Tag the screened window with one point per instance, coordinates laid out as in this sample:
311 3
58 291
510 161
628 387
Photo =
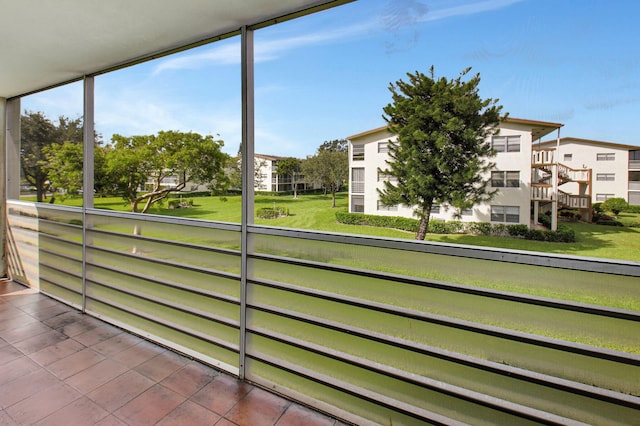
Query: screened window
606 177
568 157
604 197
357 152
382 176
606 156
506 179
506 143
383 147
382 207
357 180
357 204
508 214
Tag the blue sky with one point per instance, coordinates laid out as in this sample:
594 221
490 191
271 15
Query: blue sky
326 76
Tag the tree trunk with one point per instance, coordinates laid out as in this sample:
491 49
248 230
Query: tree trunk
423 227
333 200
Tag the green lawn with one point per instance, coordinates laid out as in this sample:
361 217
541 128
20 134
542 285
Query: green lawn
315 212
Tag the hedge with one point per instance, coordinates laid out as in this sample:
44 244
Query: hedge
563 234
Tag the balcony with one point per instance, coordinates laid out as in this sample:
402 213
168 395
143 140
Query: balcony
58 367
361 328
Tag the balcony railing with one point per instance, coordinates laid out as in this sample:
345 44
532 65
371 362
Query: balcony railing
370 330
574 201
543 156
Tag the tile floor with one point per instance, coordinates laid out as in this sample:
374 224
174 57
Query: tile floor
59 367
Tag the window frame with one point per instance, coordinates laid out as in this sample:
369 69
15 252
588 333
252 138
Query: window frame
605 177
357 152
606 156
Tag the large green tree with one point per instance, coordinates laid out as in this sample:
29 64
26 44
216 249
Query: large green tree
146 169
290 167
64 166
37 133
442 152
329 167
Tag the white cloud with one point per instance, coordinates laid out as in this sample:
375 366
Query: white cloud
467 8
268 50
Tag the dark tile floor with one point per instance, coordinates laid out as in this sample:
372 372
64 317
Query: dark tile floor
59 367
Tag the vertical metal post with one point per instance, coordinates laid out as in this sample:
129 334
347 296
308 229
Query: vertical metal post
247 152
555 176
3 186
88 142
12 160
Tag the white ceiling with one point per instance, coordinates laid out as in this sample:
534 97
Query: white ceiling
44 43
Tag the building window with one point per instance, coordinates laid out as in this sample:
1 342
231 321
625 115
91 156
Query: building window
357 180
604 197
466 212
357 152
357 204
509 179
382 207
508 214
383 147
568 157
608 177
506 143
435 209
606 156
382 176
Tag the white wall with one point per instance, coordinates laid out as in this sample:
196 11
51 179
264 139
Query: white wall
507 161
585 154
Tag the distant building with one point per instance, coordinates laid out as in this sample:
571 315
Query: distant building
615 167
527 174
268 179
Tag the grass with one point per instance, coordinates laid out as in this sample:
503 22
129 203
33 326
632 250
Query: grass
315 212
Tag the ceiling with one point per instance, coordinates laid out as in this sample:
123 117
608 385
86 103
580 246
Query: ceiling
45 43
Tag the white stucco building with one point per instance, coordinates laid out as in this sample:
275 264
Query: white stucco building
525 177
615 167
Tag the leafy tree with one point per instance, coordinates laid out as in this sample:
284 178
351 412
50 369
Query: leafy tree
164 163
38 132
329 167
441 154
291 167
64 166
615 205
336 145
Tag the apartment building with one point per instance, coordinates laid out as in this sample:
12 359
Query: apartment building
527 182
268 179
615 167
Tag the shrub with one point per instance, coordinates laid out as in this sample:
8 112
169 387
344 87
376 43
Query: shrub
615 205
438 227
545 220
632 209
518 230
272 212
396 222
480 228
174 204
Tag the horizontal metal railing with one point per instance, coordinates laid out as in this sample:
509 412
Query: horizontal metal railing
371 330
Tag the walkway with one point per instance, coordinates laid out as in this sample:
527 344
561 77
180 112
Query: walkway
59 367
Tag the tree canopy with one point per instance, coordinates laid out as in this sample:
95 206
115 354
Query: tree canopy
37 133
442 152
291 167
329 167
164 163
